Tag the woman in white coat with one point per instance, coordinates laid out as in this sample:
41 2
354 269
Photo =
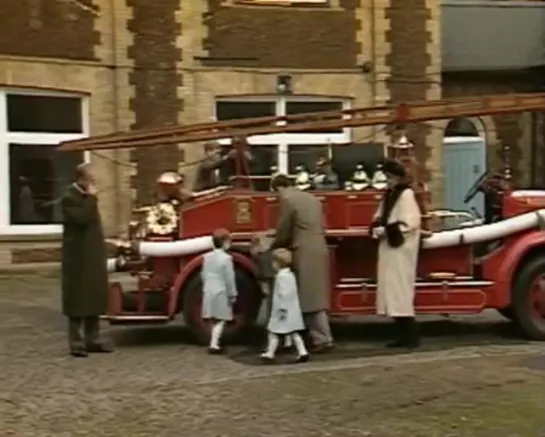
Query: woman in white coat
397 227
286 318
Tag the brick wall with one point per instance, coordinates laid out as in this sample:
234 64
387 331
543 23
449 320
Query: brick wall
510 130
49 28
282 37
90 50
156 79
408 60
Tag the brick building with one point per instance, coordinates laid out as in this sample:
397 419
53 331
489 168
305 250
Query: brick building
70 68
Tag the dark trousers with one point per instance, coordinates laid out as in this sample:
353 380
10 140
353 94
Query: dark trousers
318 327
83 332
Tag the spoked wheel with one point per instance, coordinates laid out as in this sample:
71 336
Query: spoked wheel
245 311
529 299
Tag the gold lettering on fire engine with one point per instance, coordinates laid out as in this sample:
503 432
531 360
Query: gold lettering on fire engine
244 212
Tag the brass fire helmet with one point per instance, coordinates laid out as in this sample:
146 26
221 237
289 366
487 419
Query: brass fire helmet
168 185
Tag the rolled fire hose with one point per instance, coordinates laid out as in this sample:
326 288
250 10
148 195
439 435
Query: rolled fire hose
480 233
454 237
440 239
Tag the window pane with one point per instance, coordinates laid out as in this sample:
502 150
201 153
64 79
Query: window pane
44 114
307 155
264 158
294 108
347 157
38 175
239 110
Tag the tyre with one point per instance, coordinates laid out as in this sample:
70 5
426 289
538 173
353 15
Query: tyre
528 299
245 311
507 312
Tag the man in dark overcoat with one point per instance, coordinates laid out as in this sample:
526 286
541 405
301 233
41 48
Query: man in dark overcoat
84 274
208 172
300 229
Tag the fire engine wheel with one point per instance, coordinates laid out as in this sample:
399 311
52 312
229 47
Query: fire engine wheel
529 299
507 313
245 311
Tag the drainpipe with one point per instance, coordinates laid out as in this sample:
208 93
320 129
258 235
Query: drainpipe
374 74
533 150
115 94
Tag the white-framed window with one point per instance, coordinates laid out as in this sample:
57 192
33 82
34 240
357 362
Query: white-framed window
32 173
287 150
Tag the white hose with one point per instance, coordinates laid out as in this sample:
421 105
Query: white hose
482 233
175 248
453 237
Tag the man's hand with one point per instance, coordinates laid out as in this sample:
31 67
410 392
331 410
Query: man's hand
91 189
378 232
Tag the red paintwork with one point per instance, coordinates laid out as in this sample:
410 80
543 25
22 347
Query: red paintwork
190 265
353 254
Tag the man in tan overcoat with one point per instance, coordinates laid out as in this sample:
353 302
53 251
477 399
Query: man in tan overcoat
300 229
397 227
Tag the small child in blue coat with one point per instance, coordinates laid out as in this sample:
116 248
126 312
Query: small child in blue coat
219 287
286 318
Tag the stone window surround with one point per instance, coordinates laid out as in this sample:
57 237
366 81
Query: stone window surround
6 229
283 141
296 3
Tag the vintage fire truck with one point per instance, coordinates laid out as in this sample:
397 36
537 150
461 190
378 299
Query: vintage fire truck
498 262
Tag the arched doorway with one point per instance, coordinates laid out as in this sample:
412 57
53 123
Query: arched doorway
464 160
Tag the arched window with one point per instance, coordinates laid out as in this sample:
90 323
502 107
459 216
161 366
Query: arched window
461 127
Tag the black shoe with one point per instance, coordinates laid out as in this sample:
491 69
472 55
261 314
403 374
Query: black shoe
78 353
267 360
215 351
302 359
413 343
322 348
98 348
396 344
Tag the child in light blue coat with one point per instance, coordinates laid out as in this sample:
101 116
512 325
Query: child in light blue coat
219 287
286 318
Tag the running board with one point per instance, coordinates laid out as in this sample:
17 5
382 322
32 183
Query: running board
419 285
136 319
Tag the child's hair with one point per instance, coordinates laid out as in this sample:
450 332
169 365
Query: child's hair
283 257
219 237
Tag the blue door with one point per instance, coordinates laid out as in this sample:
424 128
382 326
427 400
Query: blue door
464 160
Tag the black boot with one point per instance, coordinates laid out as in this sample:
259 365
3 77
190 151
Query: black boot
400 323
408 334
413 334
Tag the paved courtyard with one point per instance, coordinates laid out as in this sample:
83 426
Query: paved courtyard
473 378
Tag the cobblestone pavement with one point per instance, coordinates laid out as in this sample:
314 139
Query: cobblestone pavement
158 383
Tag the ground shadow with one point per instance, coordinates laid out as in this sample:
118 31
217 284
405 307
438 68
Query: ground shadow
368 340
348 335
